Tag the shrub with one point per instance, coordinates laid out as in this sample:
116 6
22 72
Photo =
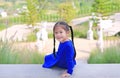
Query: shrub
110 55
67 12
106 7
2 26
81 30
31 37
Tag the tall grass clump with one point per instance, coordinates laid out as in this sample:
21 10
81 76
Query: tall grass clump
80 31
2 26
110 55
32 37
10 55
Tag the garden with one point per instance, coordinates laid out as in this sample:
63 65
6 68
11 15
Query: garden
31 12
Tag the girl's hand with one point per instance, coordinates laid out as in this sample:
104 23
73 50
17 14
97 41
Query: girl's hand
66 75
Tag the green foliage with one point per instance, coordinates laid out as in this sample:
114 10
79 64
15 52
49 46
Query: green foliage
100 6
32 14
21 19
115 38
104 7
66 11
84 8
2 26
11 20
31 37
10 55
116 6
50 35
49 17
16 20
110 55
80 31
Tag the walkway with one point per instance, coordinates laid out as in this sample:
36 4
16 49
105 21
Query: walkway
15 33
80 71
19 32
116 25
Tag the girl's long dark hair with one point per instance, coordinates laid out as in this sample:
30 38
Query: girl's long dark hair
67 28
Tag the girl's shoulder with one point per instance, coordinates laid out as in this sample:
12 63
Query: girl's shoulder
67 43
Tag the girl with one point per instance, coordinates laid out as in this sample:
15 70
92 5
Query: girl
65 56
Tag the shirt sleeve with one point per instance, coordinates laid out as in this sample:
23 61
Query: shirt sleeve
69 59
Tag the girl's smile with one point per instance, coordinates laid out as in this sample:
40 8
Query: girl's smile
60 34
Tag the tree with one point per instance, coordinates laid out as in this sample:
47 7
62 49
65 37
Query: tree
102 7
32 13
66 11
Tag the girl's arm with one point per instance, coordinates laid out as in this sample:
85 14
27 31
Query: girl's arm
69 59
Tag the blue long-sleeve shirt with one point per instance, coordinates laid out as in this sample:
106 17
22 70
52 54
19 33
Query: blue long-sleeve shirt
64 57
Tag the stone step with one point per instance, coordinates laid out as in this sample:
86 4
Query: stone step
80 71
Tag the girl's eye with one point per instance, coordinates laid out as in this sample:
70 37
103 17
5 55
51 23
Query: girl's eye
60 32
56 32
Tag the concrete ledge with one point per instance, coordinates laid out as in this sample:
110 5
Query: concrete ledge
80 71
97 71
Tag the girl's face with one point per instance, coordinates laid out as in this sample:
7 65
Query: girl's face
61 34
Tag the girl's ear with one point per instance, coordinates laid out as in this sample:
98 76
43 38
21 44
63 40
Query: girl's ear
68 32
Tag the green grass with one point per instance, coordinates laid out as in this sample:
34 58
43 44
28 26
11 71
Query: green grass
110 55
31 37
21 19
112 38
10 55
80 31
2 26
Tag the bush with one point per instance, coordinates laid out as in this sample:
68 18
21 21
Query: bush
32 37
11 20
2 26
67 12
110 55
106 7
80 31
49 17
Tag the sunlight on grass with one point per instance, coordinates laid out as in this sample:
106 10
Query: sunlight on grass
110 55
9 55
